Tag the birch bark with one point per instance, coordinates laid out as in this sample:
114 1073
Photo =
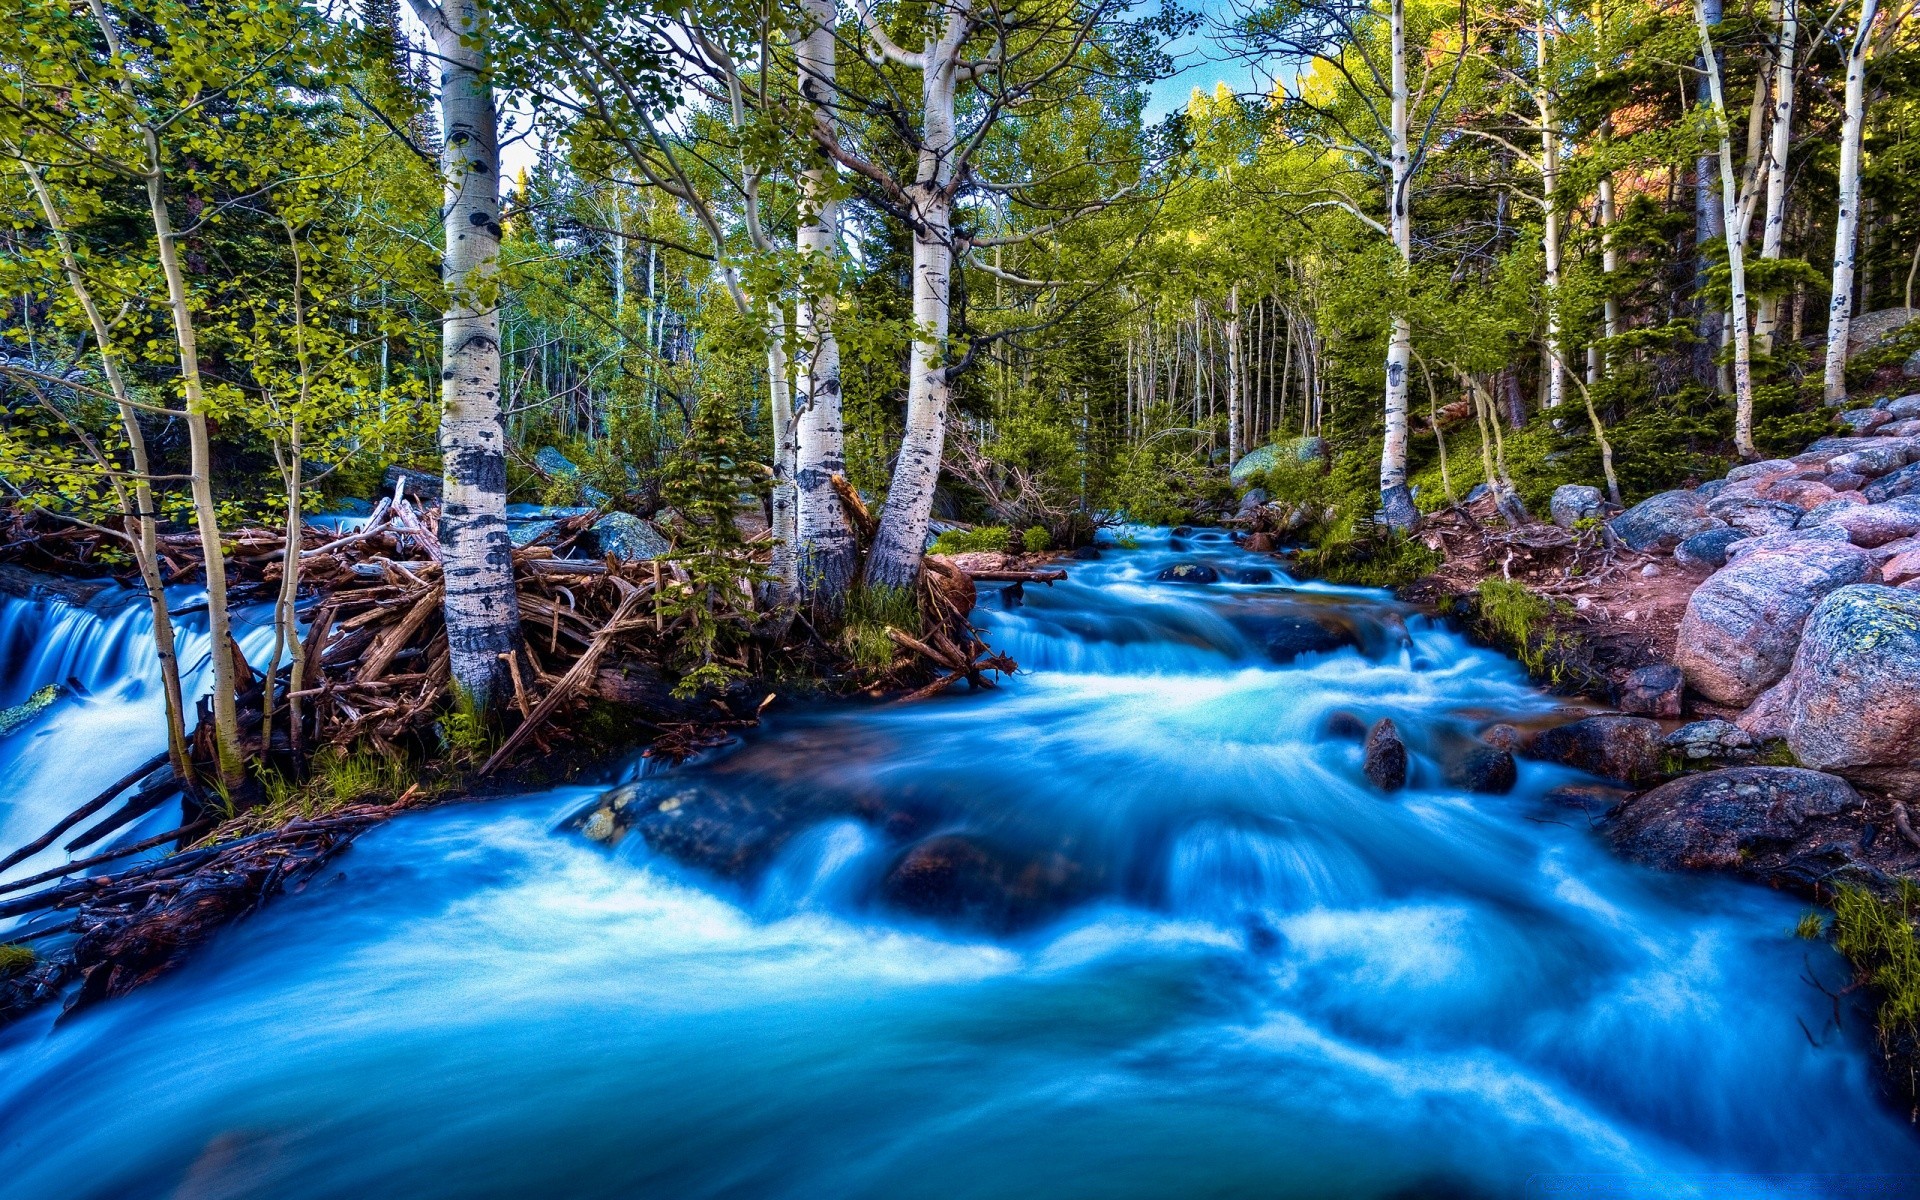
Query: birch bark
1396 501
1847 225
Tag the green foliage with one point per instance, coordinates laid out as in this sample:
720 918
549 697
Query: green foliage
1811 926
714 610
1877 936
967 541
16 959
1521 621
870 612
1377 558
1035 540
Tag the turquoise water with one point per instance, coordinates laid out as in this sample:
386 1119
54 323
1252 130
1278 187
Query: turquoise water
1258 978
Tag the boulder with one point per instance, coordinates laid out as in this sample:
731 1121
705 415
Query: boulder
1189 573
1755 515
1902 568
1623 748
1743 624
1712 740
1661 522
964 878
1386 761
1900 483
1876 457
1484 769
1851 703
1758 470
1250 504
1801 493
1652 691
1818 514
1907 428
1844 482
1875 524
1831 447
1720 819
1502 737
1905 407
1710 489
626 537
1864 420
1708 549
1575 501
1265 458
25 713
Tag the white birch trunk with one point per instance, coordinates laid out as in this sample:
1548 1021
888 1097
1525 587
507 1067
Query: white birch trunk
894 560
482 609
827 555
1736 246
1847 226
1235 398
1550 223
784 567
1396 501
1772 232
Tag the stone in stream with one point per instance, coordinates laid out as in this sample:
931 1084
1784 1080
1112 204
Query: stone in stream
1745 818
23 714
1345 726
1652 691
1708 549
1851 702
1086 553
1189 573
1574 502
1386 761
1503 737
1743 624
959 877
1712 740
1612 747
1484 769
1288 636
1660 522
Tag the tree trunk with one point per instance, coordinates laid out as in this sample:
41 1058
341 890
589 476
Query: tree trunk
1396 500
1777 147
1235 399
827 553
1708 223
784 587
482 610
1556 389
1846 227
1736 251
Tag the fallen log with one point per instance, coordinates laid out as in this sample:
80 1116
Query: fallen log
84 811
1046 577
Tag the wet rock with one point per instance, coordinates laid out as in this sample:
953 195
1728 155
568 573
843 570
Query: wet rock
1708 549
626 537
1730 819
1289 636
1663 521
1484 769
1864 420
1851 702
1086 553
1710 740
1595 799
1623 748
1189 573
25 713
1575 501
1652 691
1743 624
1182 531
1502 737
1259 543
1899 483
1757 516
1386 762
1345 726
1874 524
958 877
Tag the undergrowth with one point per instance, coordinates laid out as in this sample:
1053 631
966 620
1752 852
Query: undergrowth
1521 621
16 960
337 779
968 541
1877 937
1340 553
870 610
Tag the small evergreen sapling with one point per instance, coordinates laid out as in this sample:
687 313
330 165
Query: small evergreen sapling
704 483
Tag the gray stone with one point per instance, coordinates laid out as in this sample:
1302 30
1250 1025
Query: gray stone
1710 489
1484 769
1708 549
1875 524
1910 369
1818 514
1386 761
1900 483
1905 407
1863 420
1833 446
627 537
1652 691
1845 481
1875 457
1574 501
1743 624
1189 573
1754 470
1902 429
1756 516
1265 458
1661 522
1717 820
553 462
1789 542
1851 703
1623 748
1710 740
422 486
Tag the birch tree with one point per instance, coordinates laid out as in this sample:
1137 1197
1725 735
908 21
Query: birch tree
482 607
1734 223
1847 222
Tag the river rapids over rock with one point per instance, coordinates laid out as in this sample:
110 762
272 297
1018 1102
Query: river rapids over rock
1134 924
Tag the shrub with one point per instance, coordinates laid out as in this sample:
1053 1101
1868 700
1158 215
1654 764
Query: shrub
1877 936
870 612
967 541
1035 540
16 960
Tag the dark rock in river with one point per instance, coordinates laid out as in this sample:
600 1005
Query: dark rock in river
1345 726
1502 737
1751 818
1623 748
1484 769
1386 762
1253 575
958 877
1189 573
1652 691
1086 553
1288 637
1594 799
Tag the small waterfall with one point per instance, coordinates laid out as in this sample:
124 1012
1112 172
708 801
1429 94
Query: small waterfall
1221 870
824 868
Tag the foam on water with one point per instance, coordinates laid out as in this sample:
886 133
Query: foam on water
1274 981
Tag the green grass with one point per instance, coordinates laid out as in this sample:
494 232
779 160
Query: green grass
967 541
1877 937
1341 554
16 960
1811 926
1035 540
1520 620
870 611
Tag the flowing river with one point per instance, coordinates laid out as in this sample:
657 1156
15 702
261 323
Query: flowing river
1207 960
